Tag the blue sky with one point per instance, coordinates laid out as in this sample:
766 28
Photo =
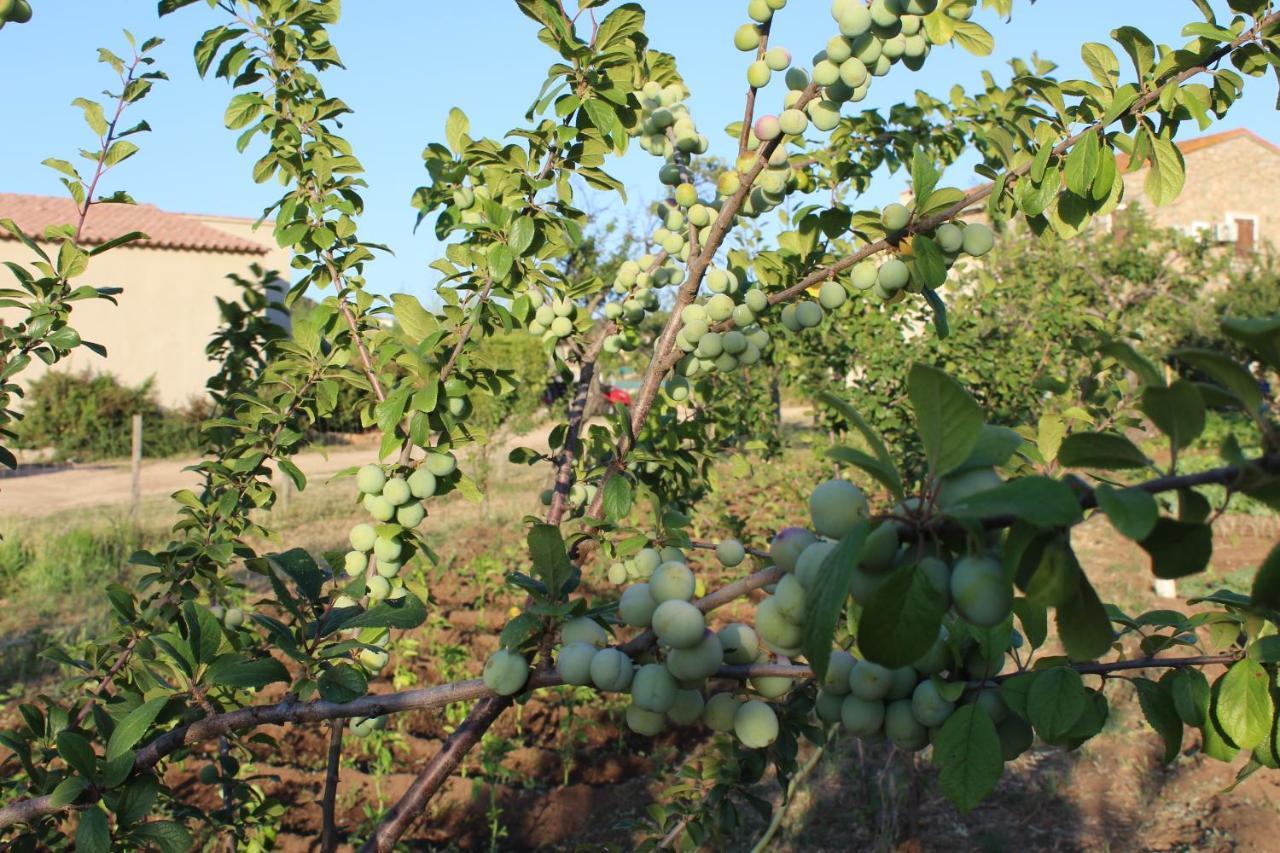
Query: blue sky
409 61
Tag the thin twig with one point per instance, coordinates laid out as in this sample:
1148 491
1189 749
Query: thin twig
328 805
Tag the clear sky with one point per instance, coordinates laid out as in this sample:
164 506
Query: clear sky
409 61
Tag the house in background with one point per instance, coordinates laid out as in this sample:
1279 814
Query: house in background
167 312
1231 195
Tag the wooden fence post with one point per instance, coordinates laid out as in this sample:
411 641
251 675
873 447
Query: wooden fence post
135 490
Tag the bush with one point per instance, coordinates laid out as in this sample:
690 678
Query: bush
86 416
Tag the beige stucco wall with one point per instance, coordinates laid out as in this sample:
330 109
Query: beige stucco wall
1235 178
165 315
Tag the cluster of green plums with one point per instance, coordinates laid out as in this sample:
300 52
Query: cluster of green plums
666 128
380 547
580 495
14 12
552 320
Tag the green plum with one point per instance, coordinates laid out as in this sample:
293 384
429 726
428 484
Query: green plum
422 483
786 546
902 728
380 508
937 659
440 464
992 704
811 560
903 681
730 553
653 688
363 537
354 563
370 479
869 681
839 666
672 581
410 515
720 710
687 708
387 549
827 706
777 632
573 663
647 559
879 549
746 37
949 237
928 705
836 507
645 722
678 624
611 670
397 491
832 295
789 596
893 275
636 606
978 239
862 717
980 591
808 314
698 661
739 643
755 724
584 629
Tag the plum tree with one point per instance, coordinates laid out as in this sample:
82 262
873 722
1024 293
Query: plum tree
752 262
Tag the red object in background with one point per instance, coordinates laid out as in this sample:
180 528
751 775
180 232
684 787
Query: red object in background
617 395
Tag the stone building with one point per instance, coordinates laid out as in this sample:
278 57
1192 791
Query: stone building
167 312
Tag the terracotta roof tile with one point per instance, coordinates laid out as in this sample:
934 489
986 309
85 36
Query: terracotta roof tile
164 230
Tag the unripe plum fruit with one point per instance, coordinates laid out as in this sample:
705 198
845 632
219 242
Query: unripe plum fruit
698 661
854 20
686 195
827 706
824 114
777 58
422 483
869 681
793 122
611 670
980 591
853 73
755 724
233 618
864 275
836 507
839 666
687 708
648 559
363 537
893 275
992 704
832 295
937 658
354 563
573 663
810 563
884 13
505 672
410 515
758 75
756 300
377 588
978 239
440 464
365 726
796 79
370 479
919 7
788 318
902 728
862 717
949 237
789 597
759 11
719 307
838 49
645 722
895 217
902 682
786 546
939 575
653 688
584 629
928 706
730 553
387 549
808 314
776 630
746 37
879 549
21 12
720 711
671 581
771 686
826 72
739 643
980 667
864 585
678 624
374 659
379 507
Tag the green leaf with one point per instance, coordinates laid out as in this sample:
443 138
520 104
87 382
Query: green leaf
342 683
416 321
974 38
1167 172
167 835
1106 450
131 729
995 446
406 612
1132 512
1266 583
901 621
93 835
940 324
887 476
1132 359
243 110
1190 691
455 129
967 751
1226 372
1082 164
1178 548
1243 706
873 439
1055 702
1041 501
1102 64
826 597
1178 411
74 749
550 558
929 262
1262 335
67 791
521 235
234 670
924 177
617 498
501 261
1083 624
1157 704
948 419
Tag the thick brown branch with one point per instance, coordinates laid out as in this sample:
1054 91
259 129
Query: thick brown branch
328 804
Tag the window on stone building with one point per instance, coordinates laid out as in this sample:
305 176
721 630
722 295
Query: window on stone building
1246 234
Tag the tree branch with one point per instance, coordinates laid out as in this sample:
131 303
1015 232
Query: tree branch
328 805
